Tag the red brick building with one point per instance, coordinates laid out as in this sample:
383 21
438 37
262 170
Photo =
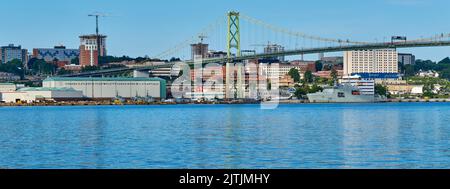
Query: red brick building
88 57
89 52
305 65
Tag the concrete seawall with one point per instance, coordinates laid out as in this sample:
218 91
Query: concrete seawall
106 103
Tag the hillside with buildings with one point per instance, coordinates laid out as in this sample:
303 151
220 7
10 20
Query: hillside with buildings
384 72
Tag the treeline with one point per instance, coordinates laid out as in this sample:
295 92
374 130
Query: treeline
112 59
442 67
309 83
40 66
15 67
35 66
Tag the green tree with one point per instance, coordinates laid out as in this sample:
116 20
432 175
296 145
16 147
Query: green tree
321 80
315 88
89 68
300 92
445 61
428 90
445 74
334 75
39 66
14 66
110 59
409 70
401 67
63 71
173 59
381 90
319 65
75 61
294 75
308 77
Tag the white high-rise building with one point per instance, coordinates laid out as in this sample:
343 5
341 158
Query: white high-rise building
371 61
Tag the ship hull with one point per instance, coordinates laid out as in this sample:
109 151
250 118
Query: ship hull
342 94
327 99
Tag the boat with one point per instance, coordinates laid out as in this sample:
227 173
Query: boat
342 94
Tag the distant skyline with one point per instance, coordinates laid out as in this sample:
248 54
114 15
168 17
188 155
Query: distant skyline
139 27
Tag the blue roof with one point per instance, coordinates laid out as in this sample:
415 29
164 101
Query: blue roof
378 75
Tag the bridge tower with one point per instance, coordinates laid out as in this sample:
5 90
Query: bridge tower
234 34
233 90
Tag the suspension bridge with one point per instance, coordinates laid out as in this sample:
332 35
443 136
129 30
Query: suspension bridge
258 32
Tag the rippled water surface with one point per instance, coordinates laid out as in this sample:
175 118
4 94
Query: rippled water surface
408 135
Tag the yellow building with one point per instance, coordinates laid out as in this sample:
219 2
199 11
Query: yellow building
397 87
286 81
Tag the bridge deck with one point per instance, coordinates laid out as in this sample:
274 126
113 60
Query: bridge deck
369 46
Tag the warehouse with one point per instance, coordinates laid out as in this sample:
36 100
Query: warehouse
33 94
107 88
7 87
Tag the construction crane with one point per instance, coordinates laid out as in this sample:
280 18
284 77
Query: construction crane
97 15
202 37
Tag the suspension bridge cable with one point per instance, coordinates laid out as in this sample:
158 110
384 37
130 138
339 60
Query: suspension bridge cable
278 30
292 33
433 38
189 41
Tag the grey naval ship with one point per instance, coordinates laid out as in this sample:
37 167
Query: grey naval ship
343 94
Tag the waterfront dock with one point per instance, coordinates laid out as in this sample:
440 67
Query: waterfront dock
112 103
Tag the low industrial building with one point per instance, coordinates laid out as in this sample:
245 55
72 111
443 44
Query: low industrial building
405 89
7 87
401 87
33 94
328 74
107 88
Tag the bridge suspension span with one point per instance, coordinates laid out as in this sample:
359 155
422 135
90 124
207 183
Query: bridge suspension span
253 27
243 32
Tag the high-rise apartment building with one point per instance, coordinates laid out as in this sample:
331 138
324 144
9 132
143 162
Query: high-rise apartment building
199 50
11 52
406 59
89 52
371 61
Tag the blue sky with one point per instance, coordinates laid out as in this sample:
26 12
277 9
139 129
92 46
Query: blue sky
143 27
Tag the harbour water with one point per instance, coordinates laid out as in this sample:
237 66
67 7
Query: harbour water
387 135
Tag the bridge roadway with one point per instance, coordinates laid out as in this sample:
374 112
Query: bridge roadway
368 46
